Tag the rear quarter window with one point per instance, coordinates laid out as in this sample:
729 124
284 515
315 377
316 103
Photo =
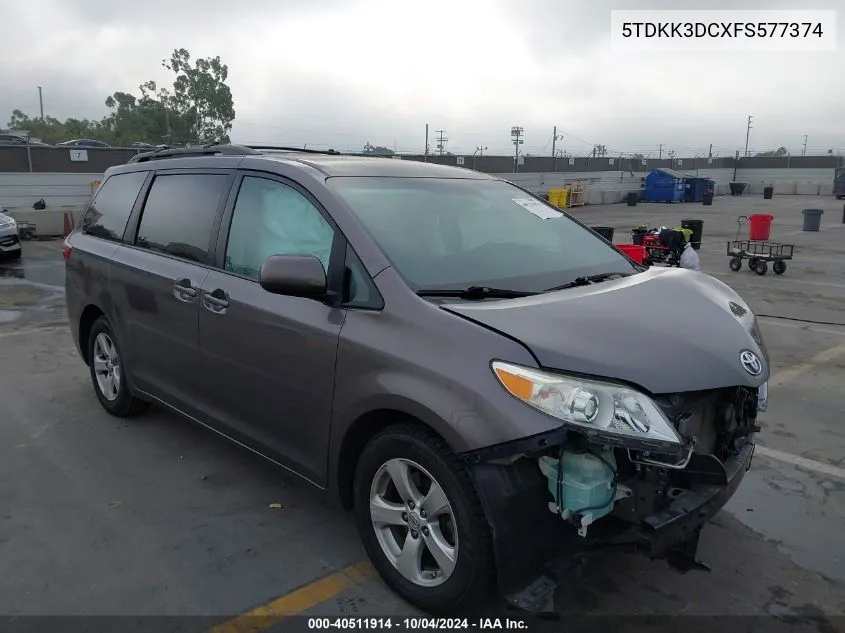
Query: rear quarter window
112 205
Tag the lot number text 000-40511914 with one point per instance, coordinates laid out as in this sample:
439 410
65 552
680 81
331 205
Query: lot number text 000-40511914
732 30
417 624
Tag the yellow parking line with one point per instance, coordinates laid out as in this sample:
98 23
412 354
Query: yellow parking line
297 601
821 358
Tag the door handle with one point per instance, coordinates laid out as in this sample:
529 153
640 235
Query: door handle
184 291
216 301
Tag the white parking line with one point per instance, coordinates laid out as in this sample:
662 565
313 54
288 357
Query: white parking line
793 372
802 462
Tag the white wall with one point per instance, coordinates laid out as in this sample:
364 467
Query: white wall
61 190
57 190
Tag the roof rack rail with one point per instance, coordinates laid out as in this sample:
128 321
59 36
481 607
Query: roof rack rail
210 149
293 149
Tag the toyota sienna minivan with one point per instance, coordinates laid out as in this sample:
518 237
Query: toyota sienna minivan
489 386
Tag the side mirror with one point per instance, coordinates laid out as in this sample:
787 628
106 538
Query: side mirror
294 275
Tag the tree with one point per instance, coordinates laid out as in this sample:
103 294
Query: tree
198 108
780 151
51 130
200 94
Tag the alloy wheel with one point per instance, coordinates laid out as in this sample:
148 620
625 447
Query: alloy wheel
414 522
107 367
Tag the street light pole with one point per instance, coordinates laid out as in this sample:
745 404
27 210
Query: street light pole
41 103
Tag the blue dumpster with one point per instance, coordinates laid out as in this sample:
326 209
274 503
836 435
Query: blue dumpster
665 185
696 187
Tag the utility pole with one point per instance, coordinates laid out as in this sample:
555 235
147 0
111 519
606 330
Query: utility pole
660 153
41 104
747 134
710 153
555 138
425 151
516 132
441 140
480 151
804 151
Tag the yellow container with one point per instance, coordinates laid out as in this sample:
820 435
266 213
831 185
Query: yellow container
554 197
564 198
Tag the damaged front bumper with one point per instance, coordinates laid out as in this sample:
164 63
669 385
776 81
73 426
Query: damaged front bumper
532 544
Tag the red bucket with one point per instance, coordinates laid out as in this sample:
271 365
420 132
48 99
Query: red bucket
760 226
634 251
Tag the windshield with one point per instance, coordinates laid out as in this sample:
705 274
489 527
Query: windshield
454 233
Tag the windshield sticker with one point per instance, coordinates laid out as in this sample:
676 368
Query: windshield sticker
538 208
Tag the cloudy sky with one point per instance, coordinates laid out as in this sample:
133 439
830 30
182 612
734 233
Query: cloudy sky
340 73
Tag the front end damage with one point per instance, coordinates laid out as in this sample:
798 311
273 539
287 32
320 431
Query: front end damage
554 498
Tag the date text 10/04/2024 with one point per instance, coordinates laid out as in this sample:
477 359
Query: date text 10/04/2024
417 624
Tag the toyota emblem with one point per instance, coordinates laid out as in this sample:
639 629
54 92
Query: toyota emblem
751 362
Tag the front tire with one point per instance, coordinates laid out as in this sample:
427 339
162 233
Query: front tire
108 374
421 521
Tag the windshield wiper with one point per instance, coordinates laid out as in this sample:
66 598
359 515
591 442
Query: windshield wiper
586 281
477 292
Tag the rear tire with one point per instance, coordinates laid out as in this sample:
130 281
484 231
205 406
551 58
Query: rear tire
761 268
108 373
459 529
779 267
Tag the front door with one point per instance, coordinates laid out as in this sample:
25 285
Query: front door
268 360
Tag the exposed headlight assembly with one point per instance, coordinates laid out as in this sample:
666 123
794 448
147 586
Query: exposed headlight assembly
602 411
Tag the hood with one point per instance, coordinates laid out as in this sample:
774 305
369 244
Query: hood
666 330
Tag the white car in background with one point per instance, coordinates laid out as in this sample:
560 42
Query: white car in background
10 239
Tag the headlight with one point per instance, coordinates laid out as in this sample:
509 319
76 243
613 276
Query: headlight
612 413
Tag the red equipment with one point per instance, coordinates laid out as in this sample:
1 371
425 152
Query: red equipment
634 251
760 226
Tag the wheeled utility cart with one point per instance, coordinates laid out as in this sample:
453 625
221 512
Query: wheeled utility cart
758 253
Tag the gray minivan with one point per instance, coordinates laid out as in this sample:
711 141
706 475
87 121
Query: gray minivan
487 384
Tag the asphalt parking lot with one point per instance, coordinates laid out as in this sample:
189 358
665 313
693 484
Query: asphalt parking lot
155 516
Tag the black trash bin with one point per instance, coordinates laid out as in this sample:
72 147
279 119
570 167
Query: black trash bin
768 192
707 198
632 198
737 188
697 228
605 231
637 236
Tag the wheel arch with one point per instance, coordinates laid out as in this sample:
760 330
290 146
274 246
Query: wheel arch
358 434
87 319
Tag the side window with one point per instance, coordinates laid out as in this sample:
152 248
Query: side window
112 205
271 218
179 213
